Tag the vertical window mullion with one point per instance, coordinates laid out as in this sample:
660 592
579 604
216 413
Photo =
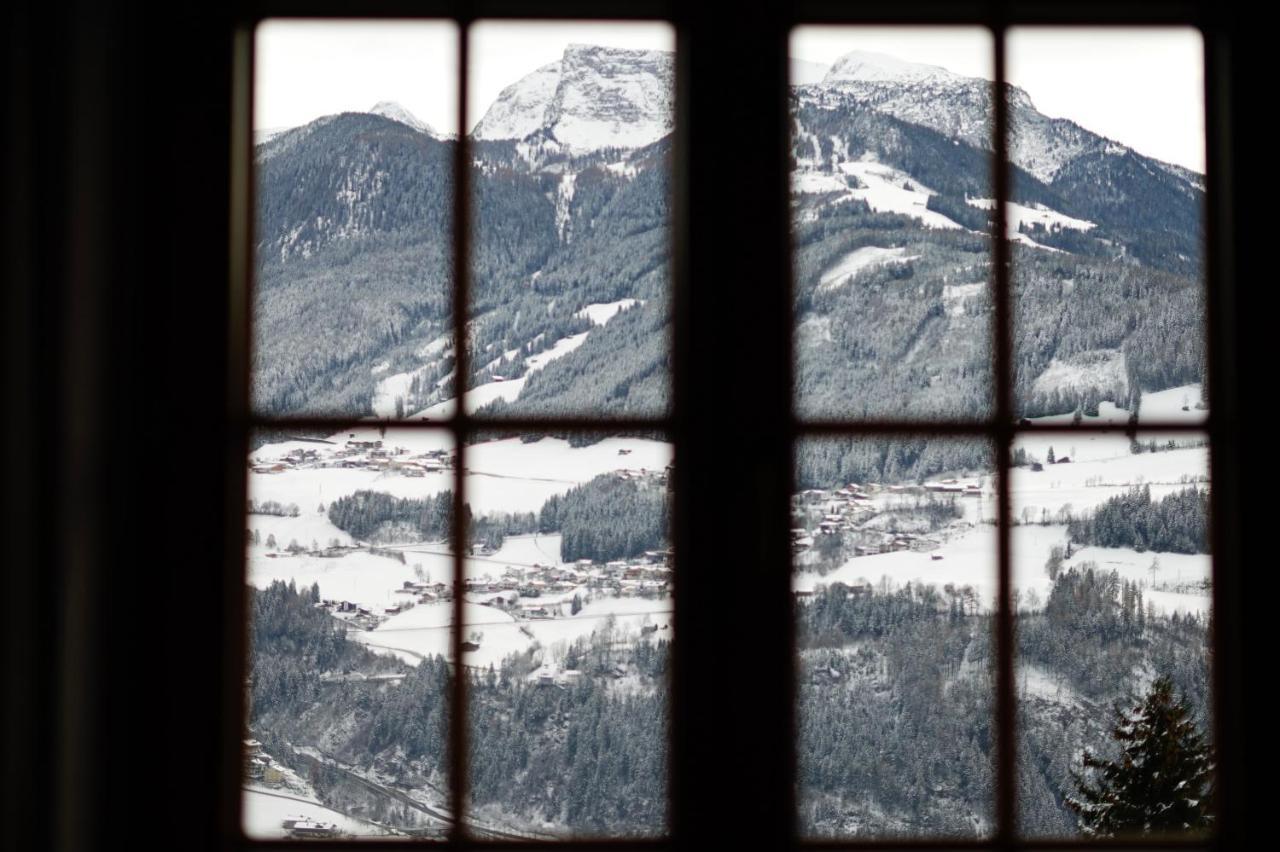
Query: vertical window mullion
461 299
1002 433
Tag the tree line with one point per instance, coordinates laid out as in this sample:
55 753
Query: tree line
1177 523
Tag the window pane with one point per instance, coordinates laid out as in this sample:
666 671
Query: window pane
1107 218
355 124
895 583
890 194
350 610
1112 576
570 298
569 629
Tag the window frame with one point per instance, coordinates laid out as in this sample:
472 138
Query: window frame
697 419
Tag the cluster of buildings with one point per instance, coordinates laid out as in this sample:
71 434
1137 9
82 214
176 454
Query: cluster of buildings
544 591
532 592
847 509
359 455
260 766
643 475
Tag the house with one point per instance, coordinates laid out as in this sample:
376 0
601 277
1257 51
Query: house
310 828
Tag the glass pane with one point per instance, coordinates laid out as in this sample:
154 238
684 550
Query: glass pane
1112 575
351 583
568 624
890 195
1107 221
570 298
355 124
895 578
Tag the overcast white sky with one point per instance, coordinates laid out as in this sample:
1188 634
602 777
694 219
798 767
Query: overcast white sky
1141 87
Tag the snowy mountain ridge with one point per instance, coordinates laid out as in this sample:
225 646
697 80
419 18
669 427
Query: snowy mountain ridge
592 98
396 112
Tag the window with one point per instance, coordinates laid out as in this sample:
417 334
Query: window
975 425
160 244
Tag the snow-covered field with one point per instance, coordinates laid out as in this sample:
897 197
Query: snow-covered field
884 188
1017 214
858 260
889 190
266 810
1155 407
425 629
970 560
502 476
1101 467
360 577
601 312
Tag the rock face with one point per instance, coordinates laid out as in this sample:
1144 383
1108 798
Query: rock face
592 98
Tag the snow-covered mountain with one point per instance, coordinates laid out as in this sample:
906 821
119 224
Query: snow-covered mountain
591 98
961 107
396 112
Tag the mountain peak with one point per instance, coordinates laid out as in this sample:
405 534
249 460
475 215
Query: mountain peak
593 97
396 112
867 66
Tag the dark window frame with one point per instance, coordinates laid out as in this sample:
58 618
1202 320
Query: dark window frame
708 771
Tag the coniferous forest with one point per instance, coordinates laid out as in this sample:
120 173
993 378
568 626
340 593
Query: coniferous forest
1177 523
896 696
589 756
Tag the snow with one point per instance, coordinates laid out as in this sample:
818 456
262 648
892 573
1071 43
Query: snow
882 188
1166 406
564 198
970 560
506 475
869 66
967 559
559 349
435 346
601 312
396 112
359 577
1098 368
884 192
1101 467
1038 214
954 296
508 389
264 811
425 629
591 98
1162 406
519 108
815 183
860 259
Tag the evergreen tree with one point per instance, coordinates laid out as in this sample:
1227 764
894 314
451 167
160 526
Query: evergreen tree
1160 783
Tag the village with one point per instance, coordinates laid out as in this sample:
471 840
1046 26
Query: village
532 592
849 511
357 455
